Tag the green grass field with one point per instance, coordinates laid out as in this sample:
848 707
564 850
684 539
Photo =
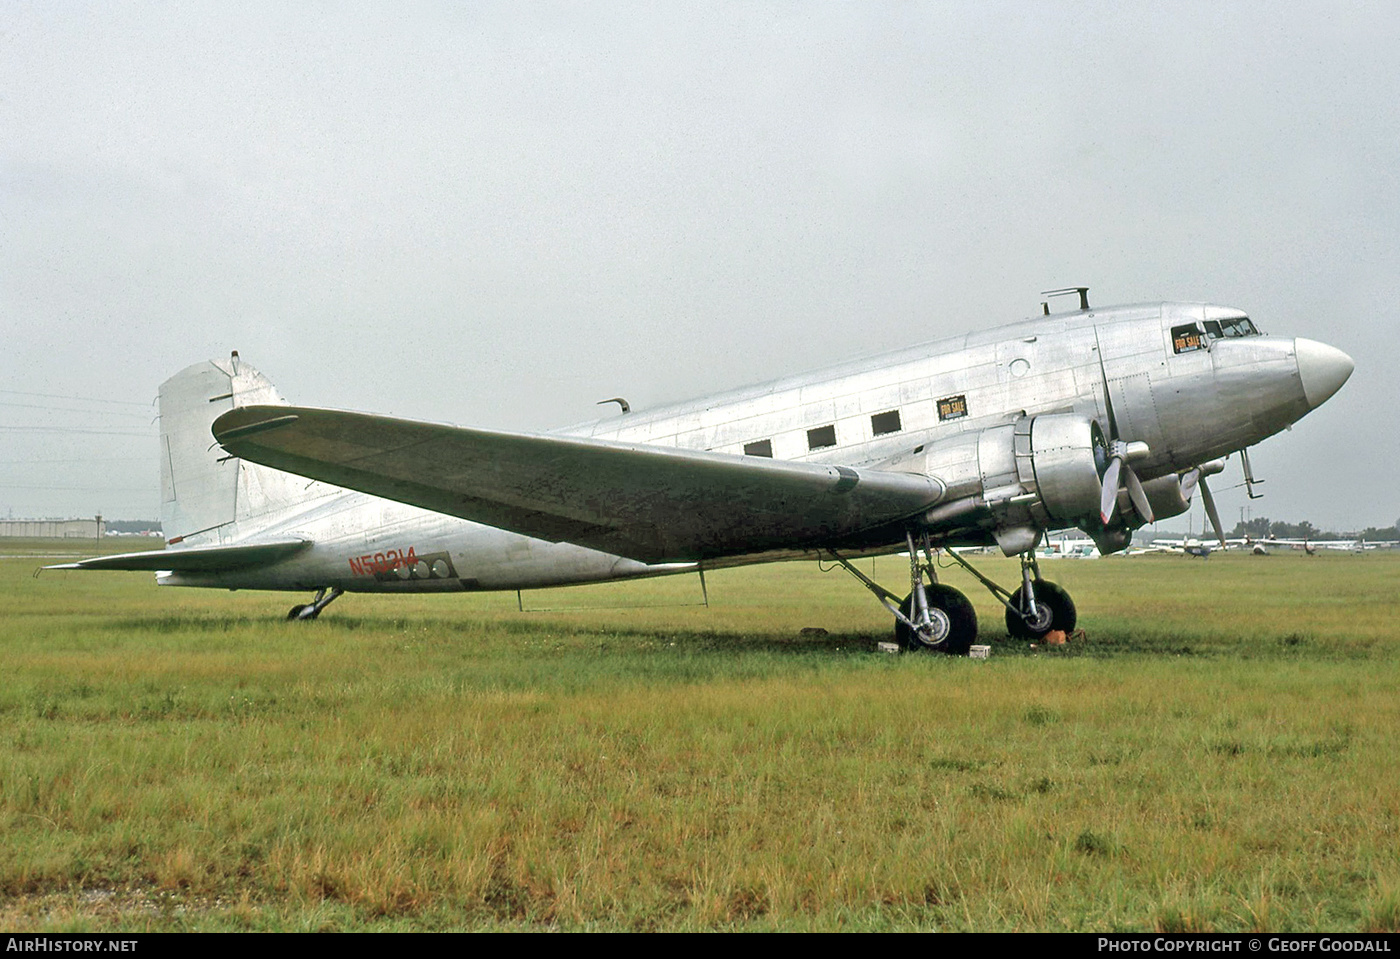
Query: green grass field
1219 754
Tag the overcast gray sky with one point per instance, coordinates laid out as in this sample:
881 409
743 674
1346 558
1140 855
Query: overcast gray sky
497 214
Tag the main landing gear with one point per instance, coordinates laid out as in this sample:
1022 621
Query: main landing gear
937 617
933 616
324 597
1035 609
1050 608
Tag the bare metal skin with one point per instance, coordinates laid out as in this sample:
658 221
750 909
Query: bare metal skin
1097 419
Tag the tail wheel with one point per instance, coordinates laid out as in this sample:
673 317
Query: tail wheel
954 622
1054 610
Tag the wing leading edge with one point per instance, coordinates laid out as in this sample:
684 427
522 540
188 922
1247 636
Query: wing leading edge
654 504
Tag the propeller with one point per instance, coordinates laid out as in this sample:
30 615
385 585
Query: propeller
1119 455
1197 477
1209 502
1118 472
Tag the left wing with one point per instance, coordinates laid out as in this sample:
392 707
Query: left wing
650 503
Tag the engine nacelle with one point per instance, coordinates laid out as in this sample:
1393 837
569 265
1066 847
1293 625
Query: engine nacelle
1038 473
1068 454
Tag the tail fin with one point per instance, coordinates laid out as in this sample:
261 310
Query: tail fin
205 493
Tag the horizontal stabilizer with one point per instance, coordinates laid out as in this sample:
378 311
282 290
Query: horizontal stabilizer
194 559
650 503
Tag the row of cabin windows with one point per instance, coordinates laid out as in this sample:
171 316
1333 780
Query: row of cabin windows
824 437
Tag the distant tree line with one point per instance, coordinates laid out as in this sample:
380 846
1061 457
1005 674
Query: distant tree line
1261 527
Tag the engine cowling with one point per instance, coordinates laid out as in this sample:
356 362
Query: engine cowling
1037 473
1068 455
1044 470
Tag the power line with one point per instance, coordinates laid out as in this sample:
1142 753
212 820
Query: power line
71 409
85 489
90 459
85 399
71 429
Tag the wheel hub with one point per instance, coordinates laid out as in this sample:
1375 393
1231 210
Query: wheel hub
937 628
1039 618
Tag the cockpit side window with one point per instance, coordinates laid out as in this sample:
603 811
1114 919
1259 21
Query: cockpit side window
1187 338
1213 329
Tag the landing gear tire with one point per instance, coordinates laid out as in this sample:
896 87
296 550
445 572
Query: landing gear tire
1054 610
954 619
324 597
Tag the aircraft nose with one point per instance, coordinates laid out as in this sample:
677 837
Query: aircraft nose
1323 368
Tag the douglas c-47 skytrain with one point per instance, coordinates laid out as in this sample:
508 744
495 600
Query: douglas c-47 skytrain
1095 419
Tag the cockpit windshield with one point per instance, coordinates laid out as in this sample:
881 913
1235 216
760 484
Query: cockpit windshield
1239 326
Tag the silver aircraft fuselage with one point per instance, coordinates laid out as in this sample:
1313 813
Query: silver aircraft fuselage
1191 381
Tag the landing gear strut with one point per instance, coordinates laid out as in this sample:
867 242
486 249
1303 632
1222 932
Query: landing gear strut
952 622
938 617
324 597
932 616
1035 609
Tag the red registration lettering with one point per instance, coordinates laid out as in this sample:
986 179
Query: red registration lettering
369 564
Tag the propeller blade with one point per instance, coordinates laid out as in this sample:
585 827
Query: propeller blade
1209 502
1189 480
1108 502
1137 494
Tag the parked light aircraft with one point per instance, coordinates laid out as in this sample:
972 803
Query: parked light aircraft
1190 546
1261 547
1095 419
1067 548
1311 546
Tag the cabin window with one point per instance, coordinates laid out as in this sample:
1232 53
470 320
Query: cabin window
821 437
882 424
759 448
1187 339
